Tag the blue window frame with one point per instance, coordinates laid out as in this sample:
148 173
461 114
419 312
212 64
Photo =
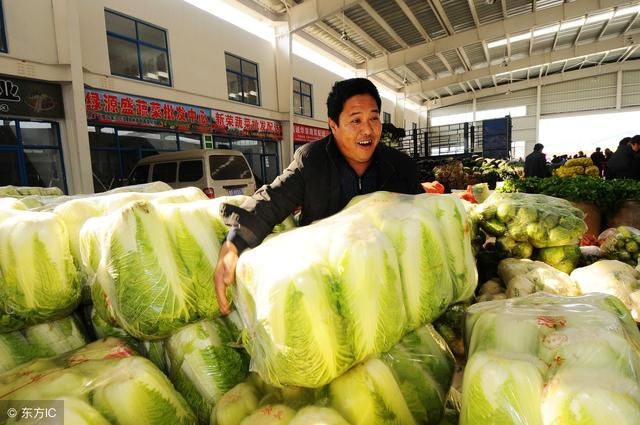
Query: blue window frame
31 154
243 84
137 50
3 31
302 98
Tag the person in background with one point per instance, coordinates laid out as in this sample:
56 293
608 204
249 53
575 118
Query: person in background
535 165
624 162
323 177
598 159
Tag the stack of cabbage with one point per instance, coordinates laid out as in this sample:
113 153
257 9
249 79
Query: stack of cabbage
39 281
319 299
546 359
577 167
407 385
101 383
523 277
532 225
621 243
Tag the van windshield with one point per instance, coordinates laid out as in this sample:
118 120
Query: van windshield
229 167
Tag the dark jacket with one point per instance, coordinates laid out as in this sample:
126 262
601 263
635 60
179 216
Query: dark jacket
535 165
312 181
622 164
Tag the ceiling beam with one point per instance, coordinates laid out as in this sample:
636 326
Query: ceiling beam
474 12
366 37
311 11
604 28
478 83
427 68
536 60
385 26
512 25
326 28
631 22
525 84
445 62
407 11
441 15
503 3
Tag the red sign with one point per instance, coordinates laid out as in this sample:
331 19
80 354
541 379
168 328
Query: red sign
114 108
305 133
231 124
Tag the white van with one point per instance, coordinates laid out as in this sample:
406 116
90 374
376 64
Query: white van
218 172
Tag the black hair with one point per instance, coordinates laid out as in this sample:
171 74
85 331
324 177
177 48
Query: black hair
538 147
345 89
625 141
635 139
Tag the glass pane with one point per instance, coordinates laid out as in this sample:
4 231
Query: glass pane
249 69
270 148
152 35
306 106
155 65
101 137
38 133
123 57
129 158
234 86
297 104
106 169
189 141
251 94
8 132
296 86
44 168
139 174
270 168
10 174
190 171
228 167
120 25
155 142
306 88
233 63
165 172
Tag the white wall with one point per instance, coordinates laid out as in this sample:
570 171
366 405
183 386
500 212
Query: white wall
30 30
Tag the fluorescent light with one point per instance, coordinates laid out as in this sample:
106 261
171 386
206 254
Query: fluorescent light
497 43
627 11
520 37
546 30
232 15
599 18
572 24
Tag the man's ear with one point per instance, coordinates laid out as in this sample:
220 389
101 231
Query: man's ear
333 125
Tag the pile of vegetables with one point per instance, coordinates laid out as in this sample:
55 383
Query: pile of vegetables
621 243
410 255
523 277
577 167
458 174
545 359
407 385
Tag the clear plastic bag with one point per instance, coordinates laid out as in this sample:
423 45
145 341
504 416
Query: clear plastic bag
621 243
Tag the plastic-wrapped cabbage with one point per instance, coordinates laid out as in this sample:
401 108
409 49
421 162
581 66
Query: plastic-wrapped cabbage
547 359
351 285
611 277
14 350
314 415
119 386
39 281
151 266
524 277
57 337
564 258
203 365
30 190
621 243
542 221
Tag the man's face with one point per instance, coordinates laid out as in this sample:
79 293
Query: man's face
358 131
635 147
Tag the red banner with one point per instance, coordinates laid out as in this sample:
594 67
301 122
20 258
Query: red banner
227 123
305 133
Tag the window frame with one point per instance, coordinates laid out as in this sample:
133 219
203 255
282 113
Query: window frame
302 96
139 43
242 76
386 118
3 32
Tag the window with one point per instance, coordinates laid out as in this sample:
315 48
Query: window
137 50
302 104
190 171
140 174
517 149
242 80
165 172
386 118
3 35
228 167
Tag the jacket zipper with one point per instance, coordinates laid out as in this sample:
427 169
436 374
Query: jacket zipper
359 184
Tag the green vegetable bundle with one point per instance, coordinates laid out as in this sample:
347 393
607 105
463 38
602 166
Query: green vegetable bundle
523 277
546 359
521 222
564 258
407 385
621 243
338 291
101 383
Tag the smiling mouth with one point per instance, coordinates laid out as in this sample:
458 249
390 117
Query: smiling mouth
364 142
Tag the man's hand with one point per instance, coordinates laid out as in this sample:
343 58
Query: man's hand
225 274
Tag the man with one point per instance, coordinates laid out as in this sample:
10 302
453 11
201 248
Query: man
322 178
624 162
598 159
535 164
